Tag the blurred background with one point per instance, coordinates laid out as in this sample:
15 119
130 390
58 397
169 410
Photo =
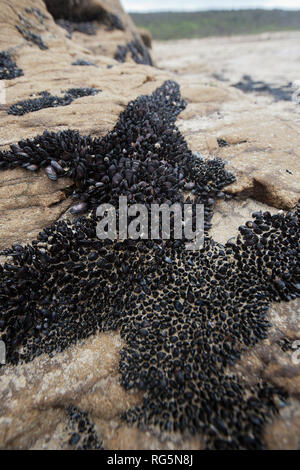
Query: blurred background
174 19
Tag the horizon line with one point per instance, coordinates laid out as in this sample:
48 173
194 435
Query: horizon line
214 9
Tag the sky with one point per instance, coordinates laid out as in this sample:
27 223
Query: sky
196 5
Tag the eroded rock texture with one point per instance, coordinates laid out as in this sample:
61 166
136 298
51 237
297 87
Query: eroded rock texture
135 344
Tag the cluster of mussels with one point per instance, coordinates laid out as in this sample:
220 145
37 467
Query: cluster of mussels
137 50
37 13
25 26
185 316
46 100
32 37
83 435
248 85
83 62
8 68
72 27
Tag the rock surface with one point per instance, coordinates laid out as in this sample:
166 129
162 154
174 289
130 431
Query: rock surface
261 137
52 70
262 142
260 134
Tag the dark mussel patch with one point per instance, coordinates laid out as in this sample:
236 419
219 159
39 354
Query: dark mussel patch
138 52
83 62
8 68
248 85
73 27
82 435
186 317
46 100
32 37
